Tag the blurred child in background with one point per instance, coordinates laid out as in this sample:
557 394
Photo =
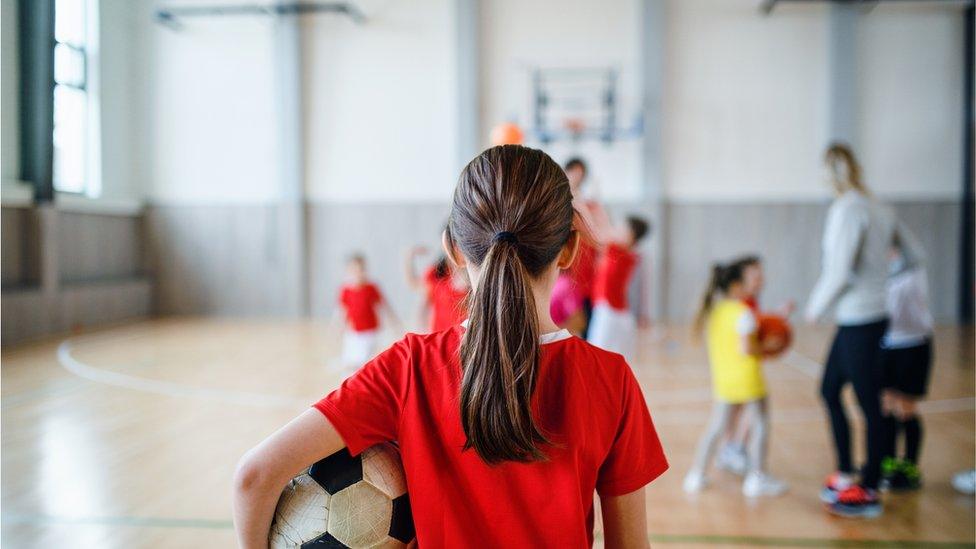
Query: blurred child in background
906 359
735 354
732 456
445 290
567 307
362 303
587 208
614 326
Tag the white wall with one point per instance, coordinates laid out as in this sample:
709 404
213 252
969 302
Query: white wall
745 102
119 87
210 120
744 105
381 102
517 36
379 107
910 100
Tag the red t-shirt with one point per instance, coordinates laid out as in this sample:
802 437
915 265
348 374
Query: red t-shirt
586 400
613 272
446 301
360 304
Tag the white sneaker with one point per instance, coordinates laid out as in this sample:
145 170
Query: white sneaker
733 459
695 482
965 482
761 484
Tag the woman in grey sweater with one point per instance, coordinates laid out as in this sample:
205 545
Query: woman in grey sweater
857 240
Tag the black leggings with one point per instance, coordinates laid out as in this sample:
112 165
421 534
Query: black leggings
855 358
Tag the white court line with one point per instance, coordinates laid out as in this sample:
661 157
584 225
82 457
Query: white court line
805 415
806 365
169 388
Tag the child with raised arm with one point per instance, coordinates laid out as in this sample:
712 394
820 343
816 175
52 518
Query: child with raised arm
445 290
614 325
506 424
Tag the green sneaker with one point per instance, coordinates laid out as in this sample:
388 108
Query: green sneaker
899 475
910 478
890 466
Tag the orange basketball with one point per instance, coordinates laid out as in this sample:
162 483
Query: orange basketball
774 330
507 133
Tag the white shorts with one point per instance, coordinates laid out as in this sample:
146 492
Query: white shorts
613 330
358 348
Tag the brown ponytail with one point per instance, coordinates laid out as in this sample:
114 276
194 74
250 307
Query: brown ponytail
723 276
512 214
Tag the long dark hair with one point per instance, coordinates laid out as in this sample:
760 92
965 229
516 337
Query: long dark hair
723 277
512 214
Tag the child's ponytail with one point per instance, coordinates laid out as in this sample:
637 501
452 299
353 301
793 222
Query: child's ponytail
723 277
511 216
501 358
718 272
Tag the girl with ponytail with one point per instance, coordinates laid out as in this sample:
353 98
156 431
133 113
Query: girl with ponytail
738 384
506 424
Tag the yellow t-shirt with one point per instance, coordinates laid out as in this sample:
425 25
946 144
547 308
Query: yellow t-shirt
736 376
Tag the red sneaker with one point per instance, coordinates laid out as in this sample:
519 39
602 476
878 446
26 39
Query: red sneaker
857 502
836 483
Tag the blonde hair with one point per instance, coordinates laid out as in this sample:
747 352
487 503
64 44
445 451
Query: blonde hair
844 168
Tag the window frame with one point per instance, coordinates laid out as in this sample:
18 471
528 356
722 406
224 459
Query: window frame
91 172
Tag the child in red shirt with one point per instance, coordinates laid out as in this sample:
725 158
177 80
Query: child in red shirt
361 302
506 425
614 325
445 291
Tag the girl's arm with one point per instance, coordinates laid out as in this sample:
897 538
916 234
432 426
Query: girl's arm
625 521
748 328
265 470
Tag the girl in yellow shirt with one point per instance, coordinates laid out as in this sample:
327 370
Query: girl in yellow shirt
738 384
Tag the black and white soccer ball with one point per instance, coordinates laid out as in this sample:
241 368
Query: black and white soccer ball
345 501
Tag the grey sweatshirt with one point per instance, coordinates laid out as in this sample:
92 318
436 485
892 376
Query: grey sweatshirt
857 239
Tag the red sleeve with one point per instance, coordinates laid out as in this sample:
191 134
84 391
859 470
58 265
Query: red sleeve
365 409
636 456
343 295
377 296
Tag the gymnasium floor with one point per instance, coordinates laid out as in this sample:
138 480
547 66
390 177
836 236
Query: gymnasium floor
128 437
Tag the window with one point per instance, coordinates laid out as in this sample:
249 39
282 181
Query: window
75 124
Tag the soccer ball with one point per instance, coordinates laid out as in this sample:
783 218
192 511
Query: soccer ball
345 501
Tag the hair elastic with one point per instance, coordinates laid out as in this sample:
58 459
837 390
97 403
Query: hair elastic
505 236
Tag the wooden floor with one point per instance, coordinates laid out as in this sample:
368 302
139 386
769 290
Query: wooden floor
128 436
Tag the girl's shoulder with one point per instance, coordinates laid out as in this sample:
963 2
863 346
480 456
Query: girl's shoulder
585 360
